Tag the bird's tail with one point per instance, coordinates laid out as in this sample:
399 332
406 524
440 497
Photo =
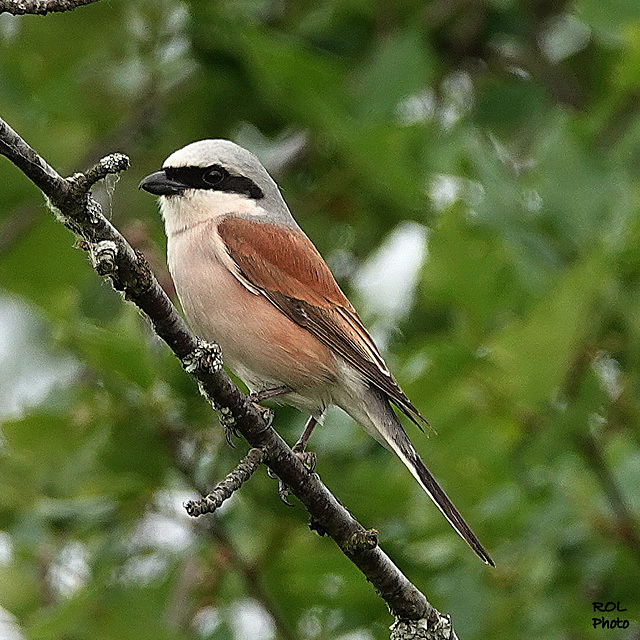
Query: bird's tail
379 419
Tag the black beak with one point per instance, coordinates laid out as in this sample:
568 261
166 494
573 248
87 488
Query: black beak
158 184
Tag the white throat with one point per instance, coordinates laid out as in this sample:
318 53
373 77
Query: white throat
195 206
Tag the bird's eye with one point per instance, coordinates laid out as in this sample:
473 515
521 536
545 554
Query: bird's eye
213 176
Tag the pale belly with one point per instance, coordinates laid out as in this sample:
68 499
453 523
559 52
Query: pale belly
259 343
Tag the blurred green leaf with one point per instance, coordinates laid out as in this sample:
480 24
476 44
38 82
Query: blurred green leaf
398 69
535 354
25 267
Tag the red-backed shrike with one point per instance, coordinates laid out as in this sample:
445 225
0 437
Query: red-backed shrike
249 279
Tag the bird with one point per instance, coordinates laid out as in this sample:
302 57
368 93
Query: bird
249 279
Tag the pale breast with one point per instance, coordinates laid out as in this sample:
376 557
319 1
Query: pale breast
261 345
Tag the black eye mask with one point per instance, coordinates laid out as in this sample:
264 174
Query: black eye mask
214 178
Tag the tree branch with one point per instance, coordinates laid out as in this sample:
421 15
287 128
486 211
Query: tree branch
40 7
128 271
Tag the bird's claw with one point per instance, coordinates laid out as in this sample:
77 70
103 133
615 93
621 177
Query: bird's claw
230 432
308 458
267 415
228 421
283 492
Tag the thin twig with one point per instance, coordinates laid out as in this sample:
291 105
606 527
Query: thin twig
129 273
225 489
40 7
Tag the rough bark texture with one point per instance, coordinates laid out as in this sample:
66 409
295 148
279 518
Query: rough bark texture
40 7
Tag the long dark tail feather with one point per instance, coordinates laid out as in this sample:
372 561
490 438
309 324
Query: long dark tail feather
437 494
372 410
399 442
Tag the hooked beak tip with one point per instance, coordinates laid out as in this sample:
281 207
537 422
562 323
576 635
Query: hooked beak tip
160 185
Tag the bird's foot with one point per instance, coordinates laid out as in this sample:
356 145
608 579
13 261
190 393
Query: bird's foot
229 423
308 458
267 416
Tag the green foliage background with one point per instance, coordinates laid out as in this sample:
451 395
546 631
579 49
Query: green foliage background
506 136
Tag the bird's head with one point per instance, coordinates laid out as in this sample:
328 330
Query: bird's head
212 178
